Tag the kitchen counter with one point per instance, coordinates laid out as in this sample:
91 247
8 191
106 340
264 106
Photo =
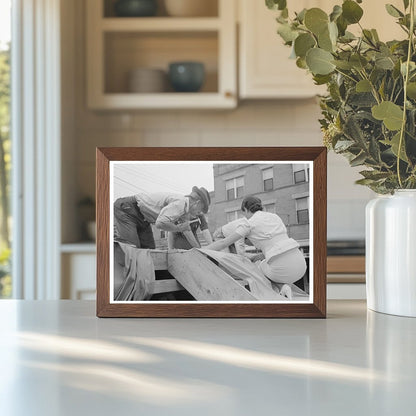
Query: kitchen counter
57 358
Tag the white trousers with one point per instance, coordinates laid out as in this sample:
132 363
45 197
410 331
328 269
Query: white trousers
287 267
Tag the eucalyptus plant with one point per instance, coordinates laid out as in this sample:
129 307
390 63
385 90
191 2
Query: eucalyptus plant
369 111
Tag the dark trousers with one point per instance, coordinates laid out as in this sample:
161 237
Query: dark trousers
130 224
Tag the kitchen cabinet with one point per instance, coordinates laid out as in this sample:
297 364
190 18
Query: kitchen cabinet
265 70
118 45
78 263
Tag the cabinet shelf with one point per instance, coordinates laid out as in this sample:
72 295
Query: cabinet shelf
160 24
198 100
116 46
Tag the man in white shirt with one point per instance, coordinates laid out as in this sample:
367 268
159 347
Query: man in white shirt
134 215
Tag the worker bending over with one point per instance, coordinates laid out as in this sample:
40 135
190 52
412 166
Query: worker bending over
134 215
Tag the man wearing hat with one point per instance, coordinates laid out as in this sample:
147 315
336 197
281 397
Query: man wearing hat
169 212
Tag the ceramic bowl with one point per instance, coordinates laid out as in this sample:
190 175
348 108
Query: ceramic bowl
135 8
186 76
147 80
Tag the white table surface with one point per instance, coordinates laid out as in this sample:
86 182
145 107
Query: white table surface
57 358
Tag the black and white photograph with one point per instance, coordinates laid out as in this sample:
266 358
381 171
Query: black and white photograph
191 231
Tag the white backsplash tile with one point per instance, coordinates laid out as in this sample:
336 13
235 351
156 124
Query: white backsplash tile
258 123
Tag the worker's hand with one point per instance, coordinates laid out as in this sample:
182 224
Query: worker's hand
256 257
184 226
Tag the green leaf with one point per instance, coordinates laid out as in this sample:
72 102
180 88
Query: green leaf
391 114
321 79
384 62
344 65
374 150
411 90
354 132
276 4
412 67
351 11
406 4
368 36
316 20
358 160
347 37
374 175
319 61
287 33
336 12
375 35
358 61
393 11
325 42
301 63
333 32
303 43
365 182
342 25
363 86
343 145
394 143
301 15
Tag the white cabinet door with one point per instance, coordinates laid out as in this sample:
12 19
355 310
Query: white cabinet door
265 68
78 275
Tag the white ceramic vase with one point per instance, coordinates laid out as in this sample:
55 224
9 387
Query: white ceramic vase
391 253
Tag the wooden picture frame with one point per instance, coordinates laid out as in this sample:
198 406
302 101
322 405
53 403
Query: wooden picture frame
110 160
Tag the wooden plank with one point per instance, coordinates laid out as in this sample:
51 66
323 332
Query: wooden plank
203 279
160 259
346 264
166 285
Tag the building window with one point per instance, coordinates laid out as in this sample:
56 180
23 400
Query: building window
267 179
270 208
235 188
163 234
300 176
233 215
302 210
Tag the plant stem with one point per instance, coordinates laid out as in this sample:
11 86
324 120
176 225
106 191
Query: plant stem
406 79
346 75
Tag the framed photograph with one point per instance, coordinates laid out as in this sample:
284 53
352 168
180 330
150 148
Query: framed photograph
211 232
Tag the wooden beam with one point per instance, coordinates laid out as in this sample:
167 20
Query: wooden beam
203 279
160 259
166 285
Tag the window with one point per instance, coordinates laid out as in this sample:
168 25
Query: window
163 234
235 188
270 208
5 147
267 179
302 210
233 215
300 176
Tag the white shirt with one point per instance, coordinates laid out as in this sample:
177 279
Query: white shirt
162 206
267 232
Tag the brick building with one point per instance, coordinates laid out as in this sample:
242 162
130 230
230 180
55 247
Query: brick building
283 189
